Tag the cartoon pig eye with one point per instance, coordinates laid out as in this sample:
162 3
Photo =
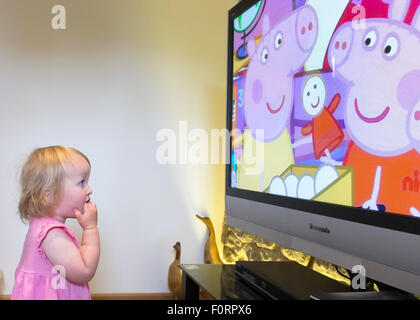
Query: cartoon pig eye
278 40
264 55
391 47
370 39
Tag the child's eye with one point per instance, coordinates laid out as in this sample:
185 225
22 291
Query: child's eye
82 182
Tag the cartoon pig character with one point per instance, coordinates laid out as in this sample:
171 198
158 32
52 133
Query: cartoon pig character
282 51
268 98
382 69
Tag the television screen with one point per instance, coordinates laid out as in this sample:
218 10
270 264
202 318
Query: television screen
325 102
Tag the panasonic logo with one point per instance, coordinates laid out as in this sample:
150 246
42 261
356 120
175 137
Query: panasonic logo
320 229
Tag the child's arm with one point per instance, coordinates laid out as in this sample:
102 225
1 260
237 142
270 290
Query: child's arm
79 264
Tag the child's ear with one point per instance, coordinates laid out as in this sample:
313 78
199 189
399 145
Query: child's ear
48 197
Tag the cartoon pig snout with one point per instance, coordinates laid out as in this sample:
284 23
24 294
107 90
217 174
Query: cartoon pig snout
306 28
340 46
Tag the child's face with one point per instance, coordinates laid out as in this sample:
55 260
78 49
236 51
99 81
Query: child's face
76 191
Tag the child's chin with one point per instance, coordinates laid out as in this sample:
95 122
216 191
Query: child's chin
73 215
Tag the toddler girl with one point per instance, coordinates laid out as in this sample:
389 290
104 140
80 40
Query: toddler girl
54 182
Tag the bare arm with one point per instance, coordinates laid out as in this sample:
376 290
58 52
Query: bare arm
90 249
79 263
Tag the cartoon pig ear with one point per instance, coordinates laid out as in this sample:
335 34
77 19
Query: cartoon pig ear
414 126
416 20
397 9
266 25
250 47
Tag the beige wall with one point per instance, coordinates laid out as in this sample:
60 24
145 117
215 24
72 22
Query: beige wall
121 71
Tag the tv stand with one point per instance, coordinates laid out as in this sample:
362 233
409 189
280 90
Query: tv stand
222 282
281 280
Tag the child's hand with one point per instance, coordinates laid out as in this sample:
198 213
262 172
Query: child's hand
89 218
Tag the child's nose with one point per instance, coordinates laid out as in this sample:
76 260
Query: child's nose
89 190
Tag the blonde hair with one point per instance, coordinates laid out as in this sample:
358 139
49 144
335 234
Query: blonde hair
44 169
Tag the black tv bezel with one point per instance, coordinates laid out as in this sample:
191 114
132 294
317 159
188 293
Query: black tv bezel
388 220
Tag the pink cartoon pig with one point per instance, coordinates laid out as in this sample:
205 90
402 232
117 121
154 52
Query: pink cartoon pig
269 95
382 115
282 51
269 92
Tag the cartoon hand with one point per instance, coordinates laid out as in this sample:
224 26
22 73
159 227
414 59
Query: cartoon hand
89 218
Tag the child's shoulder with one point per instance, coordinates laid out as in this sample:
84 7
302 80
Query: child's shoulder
40 227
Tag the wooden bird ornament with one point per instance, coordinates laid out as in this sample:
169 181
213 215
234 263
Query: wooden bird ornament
174 274
211 253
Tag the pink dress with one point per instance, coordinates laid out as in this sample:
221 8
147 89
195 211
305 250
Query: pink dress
35 276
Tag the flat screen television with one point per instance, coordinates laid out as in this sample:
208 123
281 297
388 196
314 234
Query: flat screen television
323 107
